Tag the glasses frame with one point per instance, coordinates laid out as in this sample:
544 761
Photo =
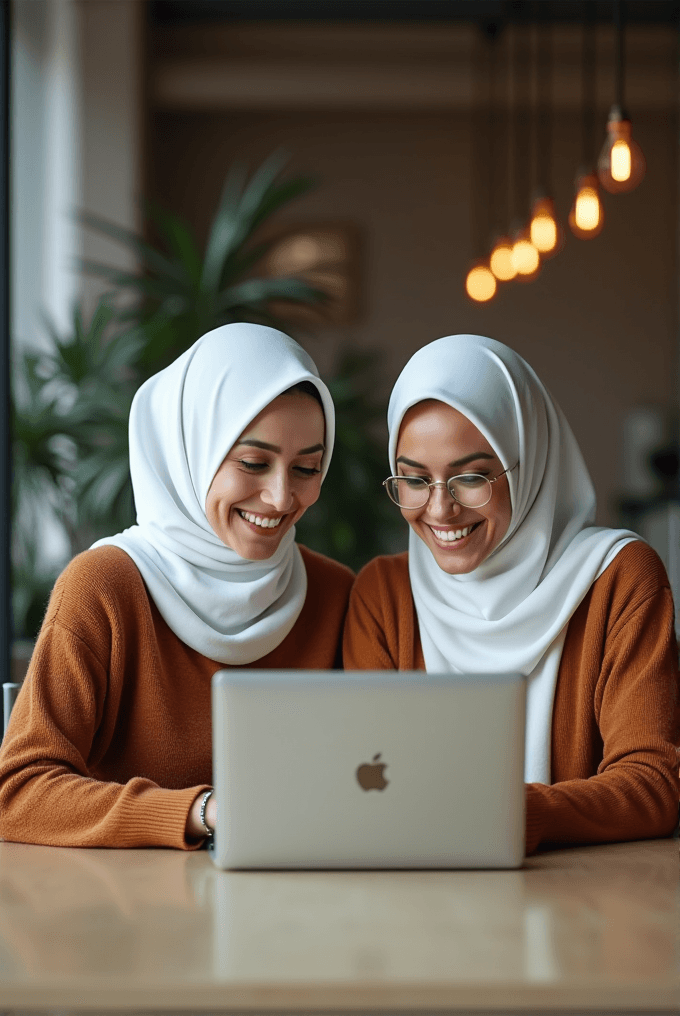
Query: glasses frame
444 483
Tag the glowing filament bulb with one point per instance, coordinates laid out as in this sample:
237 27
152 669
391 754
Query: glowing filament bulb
501 261
544 230
543 233
587 210
620 161
621 165
480 284
586 217
525 258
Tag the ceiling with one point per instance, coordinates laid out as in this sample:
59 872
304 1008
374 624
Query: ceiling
169 12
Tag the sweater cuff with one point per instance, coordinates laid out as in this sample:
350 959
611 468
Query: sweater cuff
157 818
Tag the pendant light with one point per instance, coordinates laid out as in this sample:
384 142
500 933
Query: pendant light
500 259
621 166
480 281
586 217
525 258
545 231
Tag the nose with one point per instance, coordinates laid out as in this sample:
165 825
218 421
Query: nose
277 491
442 505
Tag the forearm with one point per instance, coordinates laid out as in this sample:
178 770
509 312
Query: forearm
630 801
47 804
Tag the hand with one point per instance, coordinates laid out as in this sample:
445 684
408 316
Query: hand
194 830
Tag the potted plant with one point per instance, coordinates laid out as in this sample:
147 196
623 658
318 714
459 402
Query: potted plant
71 404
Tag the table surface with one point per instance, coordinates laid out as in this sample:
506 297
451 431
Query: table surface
586 928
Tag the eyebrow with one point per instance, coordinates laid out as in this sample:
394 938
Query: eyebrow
452 465
275 448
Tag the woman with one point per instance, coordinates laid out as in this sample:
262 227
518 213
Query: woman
505 572
109 743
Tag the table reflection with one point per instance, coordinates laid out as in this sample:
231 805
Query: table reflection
108 912
607 915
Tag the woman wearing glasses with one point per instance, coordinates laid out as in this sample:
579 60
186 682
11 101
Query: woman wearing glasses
109 743
506 572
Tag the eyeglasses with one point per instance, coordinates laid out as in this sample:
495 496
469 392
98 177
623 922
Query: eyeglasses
470 489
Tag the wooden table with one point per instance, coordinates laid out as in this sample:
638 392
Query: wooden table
595 928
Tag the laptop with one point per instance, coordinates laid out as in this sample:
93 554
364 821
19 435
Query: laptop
363 769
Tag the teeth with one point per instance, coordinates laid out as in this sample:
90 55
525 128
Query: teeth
260 520
450 535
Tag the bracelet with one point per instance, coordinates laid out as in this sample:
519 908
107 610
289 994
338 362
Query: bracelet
201 814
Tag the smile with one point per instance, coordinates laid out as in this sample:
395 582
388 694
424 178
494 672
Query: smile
260 520
449 536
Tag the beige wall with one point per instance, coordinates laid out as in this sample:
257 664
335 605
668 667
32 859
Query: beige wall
598 325
111 75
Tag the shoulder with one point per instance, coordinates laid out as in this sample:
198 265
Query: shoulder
96 582
384 584
632 591
381 629
636 574
388 570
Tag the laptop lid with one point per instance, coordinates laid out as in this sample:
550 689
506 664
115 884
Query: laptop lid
352 769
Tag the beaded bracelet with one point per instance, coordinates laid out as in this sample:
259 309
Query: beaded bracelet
201 814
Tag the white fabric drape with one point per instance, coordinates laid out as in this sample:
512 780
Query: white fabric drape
183 422
510 614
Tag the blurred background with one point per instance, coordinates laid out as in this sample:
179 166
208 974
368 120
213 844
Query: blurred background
339 168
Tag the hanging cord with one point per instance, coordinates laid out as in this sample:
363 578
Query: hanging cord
494 146
620 69
480 169
484 144
511 133
522 116
543 78
533 110
588 89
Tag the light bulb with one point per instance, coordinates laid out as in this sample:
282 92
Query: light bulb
586 217
587 209
544 231
621 165
620 161
500 260
525 258
480 283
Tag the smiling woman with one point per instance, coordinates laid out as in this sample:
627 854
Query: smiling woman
109 743
263 487
507 573
461 517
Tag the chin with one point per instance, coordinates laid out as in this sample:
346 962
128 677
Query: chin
256 552
454 567
454 563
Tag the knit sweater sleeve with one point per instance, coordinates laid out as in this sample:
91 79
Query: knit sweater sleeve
634 696
64 720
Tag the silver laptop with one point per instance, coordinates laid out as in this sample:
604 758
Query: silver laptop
362 769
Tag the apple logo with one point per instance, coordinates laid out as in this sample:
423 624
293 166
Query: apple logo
370 774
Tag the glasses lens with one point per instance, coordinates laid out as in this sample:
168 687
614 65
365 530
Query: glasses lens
408 491
470 489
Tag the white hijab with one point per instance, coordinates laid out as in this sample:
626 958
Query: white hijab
183 422
510 613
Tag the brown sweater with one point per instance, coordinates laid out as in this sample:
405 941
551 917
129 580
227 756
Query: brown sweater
616 716
109 741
